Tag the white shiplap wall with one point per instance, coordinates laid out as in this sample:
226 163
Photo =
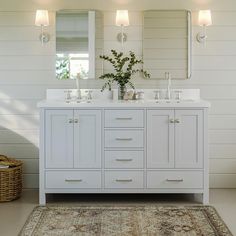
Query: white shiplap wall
27 69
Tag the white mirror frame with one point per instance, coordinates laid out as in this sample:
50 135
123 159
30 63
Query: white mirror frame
91 47
189 43
91 40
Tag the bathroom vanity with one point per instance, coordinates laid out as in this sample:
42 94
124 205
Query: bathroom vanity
104 146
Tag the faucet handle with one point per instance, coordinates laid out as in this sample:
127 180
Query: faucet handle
78 94
178 94
157 94
89 94
67 95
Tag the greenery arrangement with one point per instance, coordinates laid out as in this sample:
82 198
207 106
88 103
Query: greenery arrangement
62 68
124 68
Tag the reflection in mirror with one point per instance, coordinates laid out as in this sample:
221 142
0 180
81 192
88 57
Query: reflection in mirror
75 44
167 43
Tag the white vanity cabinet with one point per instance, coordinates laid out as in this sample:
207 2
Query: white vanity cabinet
72 139
123 148
58 139
175 138
72 144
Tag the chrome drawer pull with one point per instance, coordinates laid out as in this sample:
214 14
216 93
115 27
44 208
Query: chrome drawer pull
124 180
120 159
124 139
73 180
124 118
174 180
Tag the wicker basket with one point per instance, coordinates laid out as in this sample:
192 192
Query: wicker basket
10 179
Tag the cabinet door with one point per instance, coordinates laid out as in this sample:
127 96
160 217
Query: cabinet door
59 138
189 139
160 139
87 139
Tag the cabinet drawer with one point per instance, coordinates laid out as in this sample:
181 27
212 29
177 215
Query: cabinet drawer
73 179
175 179
124 118
123 179
123 159
124 138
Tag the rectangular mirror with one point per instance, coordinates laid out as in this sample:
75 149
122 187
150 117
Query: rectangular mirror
167 43
76 43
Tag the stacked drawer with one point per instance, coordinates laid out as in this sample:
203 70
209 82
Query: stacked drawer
124 149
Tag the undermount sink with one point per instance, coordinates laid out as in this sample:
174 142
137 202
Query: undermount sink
78 101
172 101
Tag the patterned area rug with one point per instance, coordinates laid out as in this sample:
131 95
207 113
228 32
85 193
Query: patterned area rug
124 221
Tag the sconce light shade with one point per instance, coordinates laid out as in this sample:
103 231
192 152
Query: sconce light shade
41 18
122 18
204 18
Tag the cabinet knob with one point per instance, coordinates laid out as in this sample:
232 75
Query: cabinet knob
177 121
172 121
76 121
70 121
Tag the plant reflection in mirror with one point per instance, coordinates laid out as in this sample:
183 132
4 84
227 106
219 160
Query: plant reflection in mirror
62 68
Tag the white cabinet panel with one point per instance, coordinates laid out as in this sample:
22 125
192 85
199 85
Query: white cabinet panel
87 139
73 179
160 139
59 138
123 179
174 179
124 159
124 138
189 139
124 118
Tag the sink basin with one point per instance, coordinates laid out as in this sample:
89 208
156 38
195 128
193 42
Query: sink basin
78 101
171 101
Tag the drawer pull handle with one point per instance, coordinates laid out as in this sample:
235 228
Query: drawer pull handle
174 180
120 159
73 180
124 118
124 139
124 180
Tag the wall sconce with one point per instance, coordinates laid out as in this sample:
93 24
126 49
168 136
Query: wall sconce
42 20
204 19
122 19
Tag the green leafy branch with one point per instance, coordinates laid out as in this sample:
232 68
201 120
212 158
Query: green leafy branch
124 69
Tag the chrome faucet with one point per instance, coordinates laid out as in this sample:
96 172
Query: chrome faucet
78 95
168 91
